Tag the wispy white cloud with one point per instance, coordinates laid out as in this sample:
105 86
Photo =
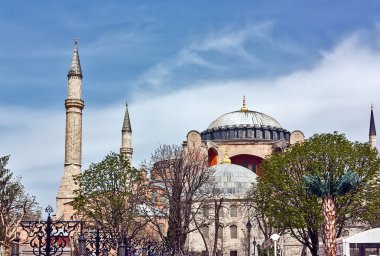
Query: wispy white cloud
228 42
214 52
231 39
335 94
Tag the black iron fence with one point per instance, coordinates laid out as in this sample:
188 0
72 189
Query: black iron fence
73 237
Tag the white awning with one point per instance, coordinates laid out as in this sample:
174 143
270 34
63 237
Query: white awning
369 236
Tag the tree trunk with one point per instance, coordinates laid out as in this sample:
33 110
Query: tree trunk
329 213
303 252
314 243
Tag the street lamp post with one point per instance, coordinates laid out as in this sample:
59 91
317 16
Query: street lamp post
275 238
254 246
249 227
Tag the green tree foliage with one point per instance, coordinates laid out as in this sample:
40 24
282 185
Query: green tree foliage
290 207
112 195
329 187
15 204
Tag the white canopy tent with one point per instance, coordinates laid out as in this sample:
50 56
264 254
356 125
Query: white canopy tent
361 244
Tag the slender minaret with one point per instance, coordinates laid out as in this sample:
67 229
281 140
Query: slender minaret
126 136
73 142
372 130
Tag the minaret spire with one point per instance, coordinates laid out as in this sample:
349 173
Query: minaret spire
126 136
73 139
75 68
372 130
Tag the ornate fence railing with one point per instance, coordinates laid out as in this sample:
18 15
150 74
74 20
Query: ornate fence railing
55 237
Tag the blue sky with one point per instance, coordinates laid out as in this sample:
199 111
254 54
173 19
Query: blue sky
121 40
313 65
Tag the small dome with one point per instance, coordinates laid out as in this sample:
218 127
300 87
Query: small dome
248 118
232 179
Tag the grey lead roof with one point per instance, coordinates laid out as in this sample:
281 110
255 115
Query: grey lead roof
232 179
75 68
372 128
127 123
249 118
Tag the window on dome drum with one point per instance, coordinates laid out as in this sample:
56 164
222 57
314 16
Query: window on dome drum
233 211
205 231
220 232
233 232
233 253
258 134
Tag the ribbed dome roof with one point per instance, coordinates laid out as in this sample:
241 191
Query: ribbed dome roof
232 179
248 118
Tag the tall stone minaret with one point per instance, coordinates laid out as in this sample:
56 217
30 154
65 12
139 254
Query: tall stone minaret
126 136
73 142
372 130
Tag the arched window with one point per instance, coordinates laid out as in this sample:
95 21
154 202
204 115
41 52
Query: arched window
205 231
221 213
233 231
220 232
233 211
212 157
205 211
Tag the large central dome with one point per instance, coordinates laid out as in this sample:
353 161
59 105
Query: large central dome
245 124
244 118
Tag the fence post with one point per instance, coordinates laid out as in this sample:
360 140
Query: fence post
105 251
82 245
97 243
121 248
15 246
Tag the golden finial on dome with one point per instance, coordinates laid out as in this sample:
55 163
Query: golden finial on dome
226 159
244 107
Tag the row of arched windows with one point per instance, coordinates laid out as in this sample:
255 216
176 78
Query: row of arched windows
233 231
233 211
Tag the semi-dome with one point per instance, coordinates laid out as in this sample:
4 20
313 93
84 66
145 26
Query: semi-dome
232 179
244 118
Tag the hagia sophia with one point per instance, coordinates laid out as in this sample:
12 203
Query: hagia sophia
236 144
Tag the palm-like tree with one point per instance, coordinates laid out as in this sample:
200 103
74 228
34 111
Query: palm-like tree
328 187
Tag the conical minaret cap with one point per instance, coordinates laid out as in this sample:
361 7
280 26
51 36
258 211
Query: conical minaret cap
75 68
372 128
127 123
